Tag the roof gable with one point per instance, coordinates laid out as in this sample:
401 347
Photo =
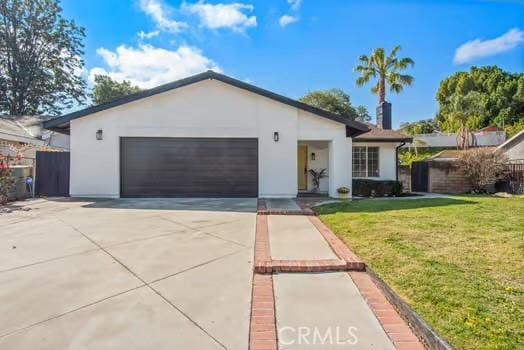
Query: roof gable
62 123
517 138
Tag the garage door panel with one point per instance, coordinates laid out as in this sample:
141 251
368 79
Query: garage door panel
184 167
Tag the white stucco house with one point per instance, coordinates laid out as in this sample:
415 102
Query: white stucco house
513 148
210 135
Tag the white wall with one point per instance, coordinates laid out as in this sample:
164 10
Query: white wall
516 152
205 109
483 138
386 158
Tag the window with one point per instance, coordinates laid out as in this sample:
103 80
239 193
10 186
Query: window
365 161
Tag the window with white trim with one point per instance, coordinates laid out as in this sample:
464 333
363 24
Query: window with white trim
365 161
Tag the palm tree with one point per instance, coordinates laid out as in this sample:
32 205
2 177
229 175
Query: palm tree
464 113
386 69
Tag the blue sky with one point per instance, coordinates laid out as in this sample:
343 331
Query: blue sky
315 47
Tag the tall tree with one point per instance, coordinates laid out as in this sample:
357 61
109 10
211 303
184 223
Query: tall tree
336 101
40 58
426 126
363 114
386 69
465 112
502 97
107 89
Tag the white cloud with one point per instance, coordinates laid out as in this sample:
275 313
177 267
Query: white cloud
295 4
477 48
160 14
148 35
148 66
216 16
286 20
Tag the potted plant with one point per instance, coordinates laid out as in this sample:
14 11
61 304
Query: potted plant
343 192
317 176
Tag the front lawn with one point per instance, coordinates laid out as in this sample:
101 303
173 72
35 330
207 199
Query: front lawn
458 262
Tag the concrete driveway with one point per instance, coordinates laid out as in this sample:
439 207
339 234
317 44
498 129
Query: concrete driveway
126 274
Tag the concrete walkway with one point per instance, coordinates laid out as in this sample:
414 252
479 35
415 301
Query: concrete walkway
295 238
325 311
279 204
317 310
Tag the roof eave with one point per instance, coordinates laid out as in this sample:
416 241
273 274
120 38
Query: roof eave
383 139
63 121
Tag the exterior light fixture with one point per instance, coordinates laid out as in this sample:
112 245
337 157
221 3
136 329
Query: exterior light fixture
313 155
99 134
275 136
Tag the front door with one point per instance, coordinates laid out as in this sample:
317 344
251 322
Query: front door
302 167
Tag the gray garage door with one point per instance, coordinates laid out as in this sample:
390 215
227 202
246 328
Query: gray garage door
188 167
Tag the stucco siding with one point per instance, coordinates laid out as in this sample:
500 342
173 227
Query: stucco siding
206 109
387 159
516 152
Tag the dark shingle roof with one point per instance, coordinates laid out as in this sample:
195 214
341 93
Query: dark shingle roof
63 121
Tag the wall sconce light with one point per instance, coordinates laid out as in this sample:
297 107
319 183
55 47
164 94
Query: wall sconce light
275 136
99 134
313 155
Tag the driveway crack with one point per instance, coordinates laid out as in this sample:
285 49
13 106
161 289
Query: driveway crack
145 283
204 232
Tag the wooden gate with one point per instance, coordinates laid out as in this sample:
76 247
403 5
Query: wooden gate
419 176
52 174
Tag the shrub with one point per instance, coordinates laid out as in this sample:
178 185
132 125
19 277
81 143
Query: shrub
482 167
343 189
379 188
317 176
6 179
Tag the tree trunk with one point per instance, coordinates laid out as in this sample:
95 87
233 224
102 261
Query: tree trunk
381 91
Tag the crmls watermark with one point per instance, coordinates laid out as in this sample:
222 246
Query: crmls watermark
304 335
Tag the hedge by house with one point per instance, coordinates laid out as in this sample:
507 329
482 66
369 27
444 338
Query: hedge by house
379 188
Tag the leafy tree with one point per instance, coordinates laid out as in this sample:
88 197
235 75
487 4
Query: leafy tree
502 98
482 167
336 101
363 114
426 126
386 70
514 129
107 89
40 58
463 113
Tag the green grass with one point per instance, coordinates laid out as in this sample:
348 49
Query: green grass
458 262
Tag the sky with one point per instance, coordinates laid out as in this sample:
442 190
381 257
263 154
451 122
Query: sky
295 46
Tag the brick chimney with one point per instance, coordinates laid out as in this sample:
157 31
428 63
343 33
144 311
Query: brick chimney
384 115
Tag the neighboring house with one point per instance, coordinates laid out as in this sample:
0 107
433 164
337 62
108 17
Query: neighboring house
441 175
213 136
513 148
27 131
489 136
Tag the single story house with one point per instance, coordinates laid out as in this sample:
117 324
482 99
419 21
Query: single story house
513 148
26 133
210 135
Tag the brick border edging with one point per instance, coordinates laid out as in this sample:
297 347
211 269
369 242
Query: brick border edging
287 212
262 328
398 331
353 262
428 335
